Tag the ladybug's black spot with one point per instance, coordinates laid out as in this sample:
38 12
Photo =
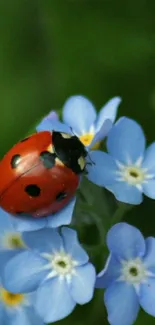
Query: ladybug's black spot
15 161
25 139
48 159
19 213
32 190
61 196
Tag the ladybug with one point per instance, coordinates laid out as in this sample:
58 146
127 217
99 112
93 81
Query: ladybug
41 173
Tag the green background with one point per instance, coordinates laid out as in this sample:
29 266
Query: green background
50 50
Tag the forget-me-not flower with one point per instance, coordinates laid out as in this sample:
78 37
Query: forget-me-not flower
57 267
81 116
128 169
129 274
17 309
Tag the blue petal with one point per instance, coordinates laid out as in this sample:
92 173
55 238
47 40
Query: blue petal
62 217
149 188
3 315
109 274
121 303
5 256
125 241
53 301
53 125
24 316
79 113
82 284
6 226
108 111
28 223
27 272
73 247
44 240
149 257
51 116
102 170
5 221
147 296
101 133
126 141
149 159
126 193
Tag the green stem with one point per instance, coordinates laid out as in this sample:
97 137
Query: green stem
120 212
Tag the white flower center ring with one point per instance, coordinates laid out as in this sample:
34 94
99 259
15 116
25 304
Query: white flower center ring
133 271
60 264
133 174
12 240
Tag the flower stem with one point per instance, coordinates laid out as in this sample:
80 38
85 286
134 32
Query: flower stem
120 212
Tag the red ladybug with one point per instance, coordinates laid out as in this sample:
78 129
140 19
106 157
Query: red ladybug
40 174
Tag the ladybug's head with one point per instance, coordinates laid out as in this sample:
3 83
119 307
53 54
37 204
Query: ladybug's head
70 150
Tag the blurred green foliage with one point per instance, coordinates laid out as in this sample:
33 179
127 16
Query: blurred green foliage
50 50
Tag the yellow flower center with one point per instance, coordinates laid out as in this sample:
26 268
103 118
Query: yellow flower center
11 299
13 240
87 138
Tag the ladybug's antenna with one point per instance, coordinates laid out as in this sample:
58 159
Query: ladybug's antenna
91 161
72 130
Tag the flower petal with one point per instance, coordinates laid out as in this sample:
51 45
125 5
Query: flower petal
109 274
53 300
62 217
28 223
6 226
149 257
51 116
149 159
149 188
3 315
44 240
5 221
101 133
126 141
147 296
108 111
79 113
125 241
5 256
27 271
53 125
73 247
121 303
126 193
82 284
101 168
24 316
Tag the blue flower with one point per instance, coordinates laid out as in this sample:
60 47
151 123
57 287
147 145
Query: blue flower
57 267
129 274
80 115
128 169
17 309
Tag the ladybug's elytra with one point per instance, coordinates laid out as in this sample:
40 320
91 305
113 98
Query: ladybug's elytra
41 173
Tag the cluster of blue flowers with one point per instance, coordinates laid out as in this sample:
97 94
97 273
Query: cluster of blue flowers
44 270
